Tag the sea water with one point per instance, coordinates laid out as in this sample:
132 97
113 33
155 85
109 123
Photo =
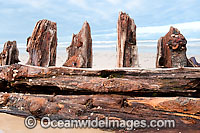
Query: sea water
144 46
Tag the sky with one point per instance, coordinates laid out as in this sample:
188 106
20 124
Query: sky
152 17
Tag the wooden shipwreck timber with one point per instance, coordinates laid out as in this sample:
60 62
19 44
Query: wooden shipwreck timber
61 80
78 93
185 111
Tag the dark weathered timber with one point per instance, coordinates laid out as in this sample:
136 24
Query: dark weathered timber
75 80
127 53
80 50
171 50
185 111
10 54
42 44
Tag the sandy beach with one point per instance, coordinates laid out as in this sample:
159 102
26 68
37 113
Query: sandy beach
107 59
102 59
10 124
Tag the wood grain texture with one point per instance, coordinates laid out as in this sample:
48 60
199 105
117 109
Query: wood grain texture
127 52
42 45
80 50
175 81
10 54
185 111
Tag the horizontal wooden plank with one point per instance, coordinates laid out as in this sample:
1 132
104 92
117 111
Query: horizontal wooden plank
62 80
185 111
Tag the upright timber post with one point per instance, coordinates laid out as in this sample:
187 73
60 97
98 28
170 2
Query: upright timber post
80 50
10 53
42 44
127 53
171 50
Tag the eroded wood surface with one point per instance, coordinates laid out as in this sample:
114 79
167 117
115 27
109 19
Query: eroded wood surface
10 54
81 93
42 45
127 52
21 78
185 111
80 50
171 50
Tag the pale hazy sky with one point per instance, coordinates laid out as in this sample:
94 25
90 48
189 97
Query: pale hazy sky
152 17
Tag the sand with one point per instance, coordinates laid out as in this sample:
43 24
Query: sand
14 124
107 59
102 59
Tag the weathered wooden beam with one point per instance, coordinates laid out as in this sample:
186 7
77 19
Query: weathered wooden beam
127 53
75 80
184 111
10 53
171 50
42 44
80 50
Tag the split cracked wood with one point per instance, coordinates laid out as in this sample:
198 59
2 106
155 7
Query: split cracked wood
42 44
80 50
62 80
184 111
127 52
10 54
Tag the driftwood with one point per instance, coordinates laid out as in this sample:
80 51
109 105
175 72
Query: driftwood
127 53
80 50
185 111
63 80
171 50
10 54
42 44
